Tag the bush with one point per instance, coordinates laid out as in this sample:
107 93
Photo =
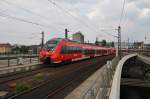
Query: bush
22 86
39 77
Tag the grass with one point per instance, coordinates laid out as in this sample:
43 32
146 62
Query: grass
22 86
39 77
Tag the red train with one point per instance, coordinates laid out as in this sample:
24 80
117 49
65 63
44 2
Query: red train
62 50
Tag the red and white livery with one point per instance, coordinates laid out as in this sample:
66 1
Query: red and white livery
61 50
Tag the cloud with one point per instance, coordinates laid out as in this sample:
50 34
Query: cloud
90 16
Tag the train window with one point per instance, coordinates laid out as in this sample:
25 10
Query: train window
86 51
71 49
63 50
51 44
80 49
67 50
74 49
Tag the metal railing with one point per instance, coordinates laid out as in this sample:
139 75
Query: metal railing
18 59
100 88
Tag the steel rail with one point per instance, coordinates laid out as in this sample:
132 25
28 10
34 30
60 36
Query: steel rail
53 79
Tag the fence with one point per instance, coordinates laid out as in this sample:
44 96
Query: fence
17 59
100 88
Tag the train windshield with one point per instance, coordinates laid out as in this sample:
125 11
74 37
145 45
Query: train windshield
51 44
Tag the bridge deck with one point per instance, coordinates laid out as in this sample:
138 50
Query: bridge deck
135 82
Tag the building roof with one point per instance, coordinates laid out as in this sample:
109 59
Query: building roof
5 45
146 44
78 33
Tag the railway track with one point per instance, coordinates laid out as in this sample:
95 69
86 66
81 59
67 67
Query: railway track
14 76
22 74
63 75
4 78
55 94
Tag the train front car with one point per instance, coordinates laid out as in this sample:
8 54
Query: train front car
50 53
63 50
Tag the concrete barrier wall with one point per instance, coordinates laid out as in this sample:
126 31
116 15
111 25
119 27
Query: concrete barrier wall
98 85
145 59
115 88
21 68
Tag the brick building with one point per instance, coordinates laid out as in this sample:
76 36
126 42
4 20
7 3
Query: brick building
5 48
147 46
139 45
79 37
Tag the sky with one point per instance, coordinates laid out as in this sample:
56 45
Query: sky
94 18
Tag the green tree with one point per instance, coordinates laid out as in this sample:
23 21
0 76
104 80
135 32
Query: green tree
15 50
112 44
96 42
24 49
104 43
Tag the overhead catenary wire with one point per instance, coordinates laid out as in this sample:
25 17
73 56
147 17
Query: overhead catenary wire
120 20
20 7
28 11
122 12
124 24
33 13
112 29
24 20
74 17
19 19
111 35
39 24
82 22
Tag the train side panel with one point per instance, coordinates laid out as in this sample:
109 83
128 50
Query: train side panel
68 51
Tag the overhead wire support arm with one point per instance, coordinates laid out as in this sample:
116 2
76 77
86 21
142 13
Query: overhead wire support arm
122 12
66 33
119 29
119 42
109 33
42 42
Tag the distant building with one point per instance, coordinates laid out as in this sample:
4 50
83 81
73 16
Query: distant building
5 48
34 49
124 45
79 37
98 43
147 46
139 45
136 45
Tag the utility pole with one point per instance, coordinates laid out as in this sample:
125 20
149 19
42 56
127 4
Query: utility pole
134 44
119 41
42 42
145 38
128 42
66 33
96 42
97 39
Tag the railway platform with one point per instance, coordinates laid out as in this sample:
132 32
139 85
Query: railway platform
19 68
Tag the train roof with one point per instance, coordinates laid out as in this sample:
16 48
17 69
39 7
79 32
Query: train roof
84 45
